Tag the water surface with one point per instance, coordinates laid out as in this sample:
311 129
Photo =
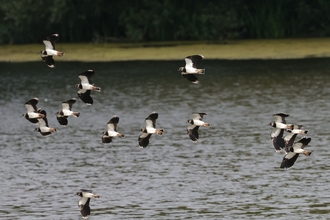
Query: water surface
231 173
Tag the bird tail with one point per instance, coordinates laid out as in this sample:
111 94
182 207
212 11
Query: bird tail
76 114
206 124
120 135
160 131
200 71
303 132
307 153
98 89
52 129
60 54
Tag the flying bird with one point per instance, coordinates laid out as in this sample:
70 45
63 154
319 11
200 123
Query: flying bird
86 86
50 51
297 129
84 201
280 126
190 69
298 148
44 129
149 130
280 122
33 113
111 131
62 115
194 125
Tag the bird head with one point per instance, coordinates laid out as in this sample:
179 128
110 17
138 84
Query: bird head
144 130
79 194
190 121
272 124
79 86
182 69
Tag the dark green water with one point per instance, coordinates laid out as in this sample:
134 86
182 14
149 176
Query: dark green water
231 173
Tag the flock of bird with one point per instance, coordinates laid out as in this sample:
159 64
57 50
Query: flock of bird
287 143
39 116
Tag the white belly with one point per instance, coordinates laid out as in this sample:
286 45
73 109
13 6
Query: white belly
33 115
67 112
151 130
87 86
51 52
198 122
190 69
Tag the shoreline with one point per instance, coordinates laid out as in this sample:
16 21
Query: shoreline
226 50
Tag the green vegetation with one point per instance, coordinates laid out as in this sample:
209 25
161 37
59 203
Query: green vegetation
101 21
232 49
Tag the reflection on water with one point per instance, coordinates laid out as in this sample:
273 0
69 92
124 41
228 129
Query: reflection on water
231 173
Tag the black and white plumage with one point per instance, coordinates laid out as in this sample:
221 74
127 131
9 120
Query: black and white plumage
84 201
190 69
86 86
49 52
62 115
298 148
44 129
149 130
111 131
289 141
144 139
297 129
280 122
32 112
280 126
194 125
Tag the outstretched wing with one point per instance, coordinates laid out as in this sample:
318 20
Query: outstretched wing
86 77
112 124
193 59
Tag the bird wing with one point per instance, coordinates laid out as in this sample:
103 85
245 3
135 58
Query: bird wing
194 59
112 124
31 105
151 120
49 61
86 77
280 117
144 139
289 159
48 45
67 105
52 39
63 120
302 143
277 138
85 96
193 132
191 77
289 140
106 139
198 116
43 122
189 63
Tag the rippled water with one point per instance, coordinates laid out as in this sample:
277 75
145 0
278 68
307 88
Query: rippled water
231 173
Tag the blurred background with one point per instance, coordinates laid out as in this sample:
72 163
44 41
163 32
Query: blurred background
28 21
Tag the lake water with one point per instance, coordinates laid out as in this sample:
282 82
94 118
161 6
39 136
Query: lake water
232 172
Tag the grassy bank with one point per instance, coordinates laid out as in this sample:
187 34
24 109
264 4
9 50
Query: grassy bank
239 49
